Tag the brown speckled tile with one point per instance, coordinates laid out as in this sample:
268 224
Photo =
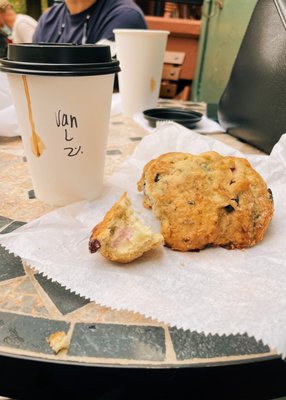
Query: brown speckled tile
16 183
93 312
21 296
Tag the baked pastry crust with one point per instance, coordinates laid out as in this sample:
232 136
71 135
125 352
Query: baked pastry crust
121 236
58 341
207 200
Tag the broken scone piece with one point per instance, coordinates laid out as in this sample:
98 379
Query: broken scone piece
121 236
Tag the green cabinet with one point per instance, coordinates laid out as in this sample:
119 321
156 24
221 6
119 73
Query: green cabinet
224 23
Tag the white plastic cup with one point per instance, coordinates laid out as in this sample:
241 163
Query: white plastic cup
63 114
141 56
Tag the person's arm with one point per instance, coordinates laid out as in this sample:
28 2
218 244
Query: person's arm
23 33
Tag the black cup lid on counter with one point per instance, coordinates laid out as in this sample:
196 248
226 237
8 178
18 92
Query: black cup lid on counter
185 117
59 59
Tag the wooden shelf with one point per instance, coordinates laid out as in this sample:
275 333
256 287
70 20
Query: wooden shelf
184 37
177 26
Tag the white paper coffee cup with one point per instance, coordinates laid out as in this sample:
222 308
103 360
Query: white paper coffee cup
63 113
141 55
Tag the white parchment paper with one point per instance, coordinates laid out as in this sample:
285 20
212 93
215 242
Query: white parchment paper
214 291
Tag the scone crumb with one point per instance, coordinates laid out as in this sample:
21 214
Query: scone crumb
58 341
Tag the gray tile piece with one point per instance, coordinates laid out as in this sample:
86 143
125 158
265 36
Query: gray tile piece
31 194
13 226
63 299
117 123
113 152
10 265
4 221
118 341
189 345
28 333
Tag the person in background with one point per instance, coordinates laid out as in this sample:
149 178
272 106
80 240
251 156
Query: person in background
22 26
87 21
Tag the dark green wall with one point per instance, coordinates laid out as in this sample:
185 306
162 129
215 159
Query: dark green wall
220 39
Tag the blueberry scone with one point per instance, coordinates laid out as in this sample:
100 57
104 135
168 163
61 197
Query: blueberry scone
121 236
206 200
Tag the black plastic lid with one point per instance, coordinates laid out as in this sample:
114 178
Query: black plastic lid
186 117
63 59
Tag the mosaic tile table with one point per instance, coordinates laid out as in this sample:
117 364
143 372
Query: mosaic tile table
32 307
